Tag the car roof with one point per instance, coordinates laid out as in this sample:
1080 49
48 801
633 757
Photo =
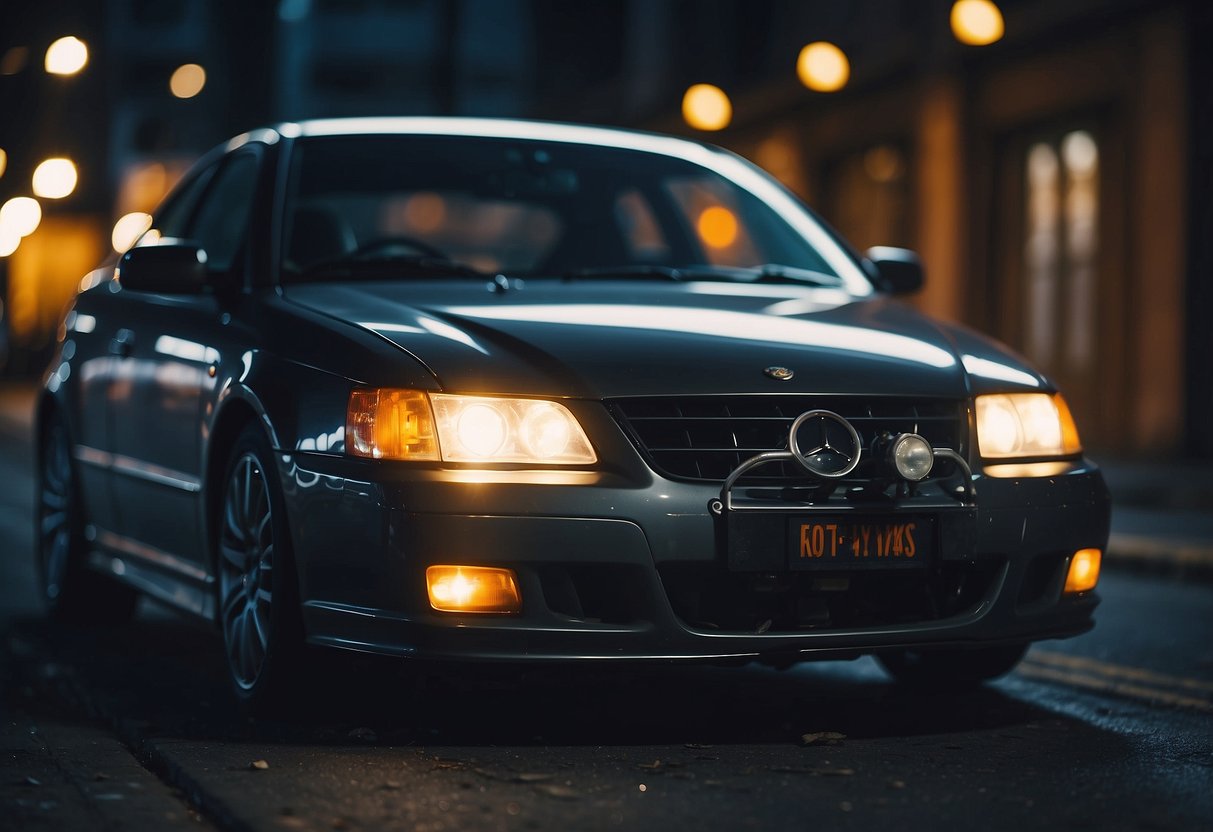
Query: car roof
500 128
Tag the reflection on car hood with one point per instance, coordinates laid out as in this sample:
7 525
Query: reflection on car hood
600 340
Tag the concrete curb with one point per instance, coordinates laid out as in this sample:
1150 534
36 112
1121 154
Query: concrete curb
170 771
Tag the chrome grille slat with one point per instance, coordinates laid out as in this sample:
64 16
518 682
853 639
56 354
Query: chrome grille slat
706 437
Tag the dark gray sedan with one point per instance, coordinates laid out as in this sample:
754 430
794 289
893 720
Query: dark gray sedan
496 390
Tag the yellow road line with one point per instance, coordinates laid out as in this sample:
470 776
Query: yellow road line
1082 680
1118 671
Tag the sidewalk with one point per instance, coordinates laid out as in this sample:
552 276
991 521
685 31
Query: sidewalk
1162 515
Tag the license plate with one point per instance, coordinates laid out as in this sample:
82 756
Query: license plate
859 543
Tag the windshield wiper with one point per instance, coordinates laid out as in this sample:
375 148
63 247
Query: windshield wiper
767 273
650 271
390 266
779 273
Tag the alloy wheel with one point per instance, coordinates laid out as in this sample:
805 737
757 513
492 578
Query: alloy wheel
55 512
246 568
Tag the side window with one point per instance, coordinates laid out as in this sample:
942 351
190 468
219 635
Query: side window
221 220
172 219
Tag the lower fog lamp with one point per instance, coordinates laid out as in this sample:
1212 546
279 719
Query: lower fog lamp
1084 571
478 589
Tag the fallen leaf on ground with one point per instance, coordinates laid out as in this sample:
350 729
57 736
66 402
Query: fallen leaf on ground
558 791
259 765
531 777
822 738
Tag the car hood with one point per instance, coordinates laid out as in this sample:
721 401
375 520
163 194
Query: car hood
606 339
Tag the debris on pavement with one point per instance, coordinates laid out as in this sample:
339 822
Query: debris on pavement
822 738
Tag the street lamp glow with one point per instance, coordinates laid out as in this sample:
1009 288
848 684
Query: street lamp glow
20 216
976 22
823 67
54 178
9 240
128 229
187 81
707 107
66 56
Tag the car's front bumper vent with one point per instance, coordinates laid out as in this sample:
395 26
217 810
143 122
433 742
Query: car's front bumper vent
706 437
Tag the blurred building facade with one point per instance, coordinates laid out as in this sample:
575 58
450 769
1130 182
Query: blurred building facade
1053 181
1056 182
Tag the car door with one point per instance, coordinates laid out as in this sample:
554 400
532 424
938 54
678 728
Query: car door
170 346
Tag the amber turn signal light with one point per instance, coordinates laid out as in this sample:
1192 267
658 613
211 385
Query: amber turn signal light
473 589
1084 571
392 424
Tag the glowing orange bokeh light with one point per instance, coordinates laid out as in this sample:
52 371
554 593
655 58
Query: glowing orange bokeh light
717 227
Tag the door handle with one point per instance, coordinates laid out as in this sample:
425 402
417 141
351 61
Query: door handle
123 343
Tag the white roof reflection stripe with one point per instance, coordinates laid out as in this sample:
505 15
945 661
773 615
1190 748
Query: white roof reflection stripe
723 324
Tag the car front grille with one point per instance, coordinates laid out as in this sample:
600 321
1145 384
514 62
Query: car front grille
705 437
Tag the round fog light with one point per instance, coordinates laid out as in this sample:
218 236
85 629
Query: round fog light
912 456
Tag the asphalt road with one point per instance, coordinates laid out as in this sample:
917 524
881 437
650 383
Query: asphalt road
132 728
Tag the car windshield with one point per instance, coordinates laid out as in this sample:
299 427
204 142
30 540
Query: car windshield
362 207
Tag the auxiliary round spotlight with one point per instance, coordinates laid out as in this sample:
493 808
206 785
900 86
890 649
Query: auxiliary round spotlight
912 456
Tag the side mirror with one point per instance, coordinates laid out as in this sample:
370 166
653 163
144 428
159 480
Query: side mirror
899 270
177 268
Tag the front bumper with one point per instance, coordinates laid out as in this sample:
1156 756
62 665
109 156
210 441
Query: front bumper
600 558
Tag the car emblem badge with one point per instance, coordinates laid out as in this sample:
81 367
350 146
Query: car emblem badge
779 373
825 444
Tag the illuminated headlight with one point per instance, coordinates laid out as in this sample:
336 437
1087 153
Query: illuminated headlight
1025 425
411 424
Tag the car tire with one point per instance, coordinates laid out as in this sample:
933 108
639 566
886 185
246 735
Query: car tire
951 668
258 596
74 594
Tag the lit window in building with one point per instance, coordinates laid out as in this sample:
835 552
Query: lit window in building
1060 251
1080 157
866 195
1042 250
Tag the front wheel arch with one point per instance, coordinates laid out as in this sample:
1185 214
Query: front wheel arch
282 652
232 421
